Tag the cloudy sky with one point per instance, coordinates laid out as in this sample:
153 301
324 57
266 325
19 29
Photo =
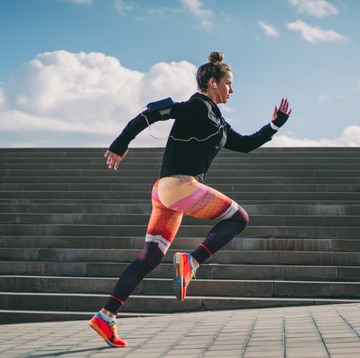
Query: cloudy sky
74 72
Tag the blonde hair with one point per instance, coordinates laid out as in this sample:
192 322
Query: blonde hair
215 68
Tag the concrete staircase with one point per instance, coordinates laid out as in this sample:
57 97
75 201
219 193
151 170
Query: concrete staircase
69 226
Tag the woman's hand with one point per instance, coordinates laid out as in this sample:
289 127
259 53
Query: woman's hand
284 106
113 158
281 115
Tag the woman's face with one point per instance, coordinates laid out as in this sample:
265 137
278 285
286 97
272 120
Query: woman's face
225 88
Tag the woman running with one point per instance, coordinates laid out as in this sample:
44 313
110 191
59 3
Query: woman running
198 133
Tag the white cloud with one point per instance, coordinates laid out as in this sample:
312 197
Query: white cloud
227 17
161 11
318 8
2 98
269 30
90 93
123 7
324 98
315 34
207 25
350 137
195 7
226 109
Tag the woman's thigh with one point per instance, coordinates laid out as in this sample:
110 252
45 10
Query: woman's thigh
185 194
164 223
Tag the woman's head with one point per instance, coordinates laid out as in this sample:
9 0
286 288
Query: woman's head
215 78
215 68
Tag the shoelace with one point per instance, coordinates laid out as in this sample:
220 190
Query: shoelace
113 328
193 276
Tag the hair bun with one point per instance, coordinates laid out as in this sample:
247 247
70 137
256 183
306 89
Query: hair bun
216 57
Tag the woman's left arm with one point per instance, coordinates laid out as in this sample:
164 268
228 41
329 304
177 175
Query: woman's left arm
247 143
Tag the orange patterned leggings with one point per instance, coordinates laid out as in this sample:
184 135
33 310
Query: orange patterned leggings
172 197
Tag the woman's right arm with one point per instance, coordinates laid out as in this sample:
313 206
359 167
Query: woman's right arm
132 129
119 147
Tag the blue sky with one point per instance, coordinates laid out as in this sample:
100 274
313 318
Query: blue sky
74 72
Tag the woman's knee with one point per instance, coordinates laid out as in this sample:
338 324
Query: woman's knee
245 217
241 216
156 259
152 255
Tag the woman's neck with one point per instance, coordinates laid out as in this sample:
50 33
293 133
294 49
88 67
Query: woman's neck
213 96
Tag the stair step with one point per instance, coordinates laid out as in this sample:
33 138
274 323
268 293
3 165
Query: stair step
153 150
181 243
219 165
199 287
147 201
143 219
158 304
138 187
146 195
207 271
268 257
185 230
265 209
12 316
140 160
211 181
149 173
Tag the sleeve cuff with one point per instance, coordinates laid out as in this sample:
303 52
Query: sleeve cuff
273 126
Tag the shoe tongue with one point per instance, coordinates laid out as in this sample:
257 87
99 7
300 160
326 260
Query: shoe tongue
189 258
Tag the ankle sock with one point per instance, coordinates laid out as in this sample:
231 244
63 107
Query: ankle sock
106 318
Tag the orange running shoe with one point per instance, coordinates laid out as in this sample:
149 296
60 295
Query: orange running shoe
183 273
107 331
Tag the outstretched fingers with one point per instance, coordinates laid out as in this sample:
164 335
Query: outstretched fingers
118 159
113 160
110 160
284 106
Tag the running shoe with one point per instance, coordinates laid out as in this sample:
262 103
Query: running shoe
183 273
107 331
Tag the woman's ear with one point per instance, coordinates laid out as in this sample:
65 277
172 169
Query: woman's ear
212 83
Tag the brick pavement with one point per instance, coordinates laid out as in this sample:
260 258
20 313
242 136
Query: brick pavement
291 332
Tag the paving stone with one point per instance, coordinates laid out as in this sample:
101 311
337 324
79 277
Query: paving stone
269 354
227 354
311 355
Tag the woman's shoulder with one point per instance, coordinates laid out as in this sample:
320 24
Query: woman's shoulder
201 101
196 105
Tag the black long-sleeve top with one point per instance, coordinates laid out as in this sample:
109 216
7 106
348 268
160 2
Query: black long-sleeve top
198 133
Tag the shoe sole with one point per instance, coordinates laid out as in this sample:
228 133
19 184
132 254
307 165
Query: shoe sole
103 335
178 276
